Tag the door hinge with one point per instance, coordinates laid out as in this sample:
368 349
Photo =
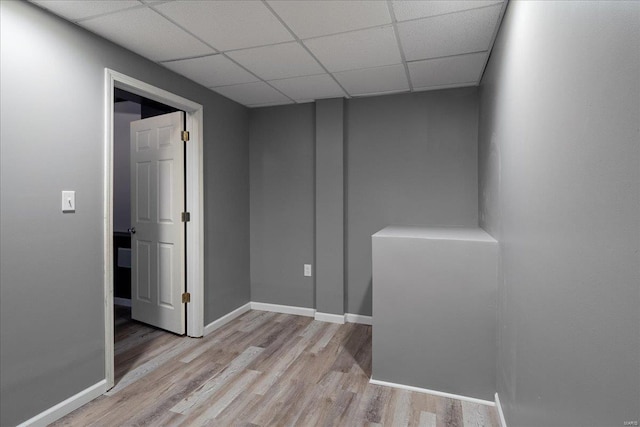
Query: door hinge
184 135
186 216
186 297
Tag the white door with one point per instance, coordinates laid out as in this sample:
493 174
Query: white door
157 230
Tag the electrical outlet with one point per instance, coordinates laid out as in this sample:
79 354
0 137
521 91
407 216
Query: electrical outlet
307 270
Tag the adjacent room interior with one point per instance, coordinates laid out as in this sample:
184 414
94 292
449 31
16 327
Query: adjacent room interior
413 213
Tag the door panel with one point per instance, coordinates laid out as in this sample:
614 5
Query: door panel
157 201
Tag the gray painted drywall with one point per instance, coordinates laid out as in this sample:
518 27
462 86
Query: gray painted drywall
123 114
408 159
411 160
434 309
51 293
560 190
329 231
282 204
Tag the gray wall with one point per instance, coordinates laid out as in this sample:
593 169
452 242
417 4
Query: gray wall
51 293
411 160
408 159
282 204
123 114
560 190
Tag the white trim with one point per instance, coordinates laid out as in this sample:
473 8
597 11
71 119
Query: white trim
107 266
286 309
434 392
329 317
125 302
503 422
358 318
216 324
71 404
195 204
195 227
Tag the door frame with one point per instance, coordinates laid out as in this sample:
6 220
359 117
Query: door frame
195 204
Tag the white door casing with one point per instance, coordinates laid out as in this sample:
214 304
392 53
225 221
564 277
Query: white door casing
158 233
195 205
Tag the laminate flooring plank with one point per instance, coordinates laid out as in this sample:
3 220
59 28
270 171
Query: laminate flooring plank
217 403
476 415
322 342
261 369
398 412
427 419
449 413
153 364
140 337
238 411
210 387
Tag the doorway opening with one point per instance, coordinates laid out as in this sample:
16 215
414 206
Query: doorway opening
132 99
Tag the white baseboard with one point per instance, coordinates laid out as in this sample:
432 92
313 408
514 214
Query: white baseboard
226 318
311 312
503 422
358 318
63 408
329 317
286 309
434 392
125 302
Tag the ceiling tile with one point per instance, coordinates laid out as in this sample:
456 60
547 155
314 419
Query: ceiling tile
314 18
278 61
358 49
147 33
447 71
391 78
227 25
79 9
453 34
413 9
309 87
252 93
209 71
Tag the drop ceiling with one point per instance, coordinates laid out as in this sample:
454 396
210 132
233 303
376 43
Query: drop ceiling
261 53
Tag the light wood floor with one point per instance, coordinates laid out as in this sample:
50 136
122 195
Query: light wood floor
261 369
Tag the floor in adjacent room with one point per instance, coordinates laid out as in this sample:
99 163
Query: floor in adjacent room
261 369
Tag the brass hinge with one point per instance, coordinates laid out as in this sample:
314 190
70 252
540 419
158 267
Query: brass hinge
186 216
184 135
186 297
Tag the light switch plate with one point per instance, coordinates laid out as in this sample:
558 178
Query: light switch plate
307 270
68 201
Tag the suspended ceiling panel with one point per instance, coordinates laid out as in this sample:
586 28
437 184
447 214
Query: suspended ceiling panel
274 52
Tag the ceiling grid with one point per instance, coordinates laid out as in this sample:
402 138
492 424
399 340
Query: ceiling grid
273 52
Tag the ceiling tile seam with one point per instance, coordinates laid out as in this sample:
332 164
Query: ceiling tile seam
365 68
385 92
100 15
413 61
168 61
295 77
400 48
295 36
258 46
339 33
447 86
218 52
256 76
183 29
453 13
493 39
